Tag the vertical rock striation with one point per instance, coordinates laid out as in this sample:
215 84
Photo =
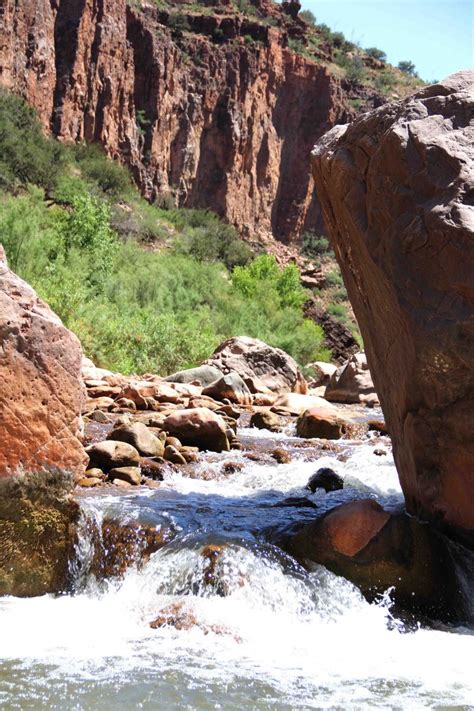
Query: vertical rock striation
222 115
397 192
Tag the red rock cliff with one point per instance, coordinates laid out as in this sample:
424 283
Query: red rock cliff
221 115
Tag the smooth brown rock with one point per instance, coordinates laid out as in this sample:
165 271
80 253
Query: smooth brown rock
139 436
89 482
378 550
397 190
262 367
321 423
171 454
109 454
266 420
198 427
131 475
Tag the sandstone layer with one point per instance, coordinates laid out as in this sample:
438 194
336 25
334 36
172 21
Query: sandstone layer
212 109
397 192
40 429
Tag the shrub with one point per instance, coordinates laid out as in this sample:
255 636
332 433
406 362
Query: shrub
376 54
407 67
111 177
264 273
26 156
213 241
314 245
308 17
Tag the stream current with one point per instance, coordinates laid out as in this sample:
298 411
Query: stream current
279 637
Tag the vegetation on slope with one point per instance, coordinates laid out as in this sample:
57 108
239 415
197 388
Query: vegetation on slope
144 288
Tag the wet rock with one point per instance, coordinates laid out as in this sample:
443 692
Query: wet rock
378 426
89 482
100 417
131 475
229 411
171 454
266 420
327 479
260 366
175 615
204 375
232 467
396 188
198 427
229 387
321 423
379 452
152 469
281 456
352 383
138 435
109 454
378 550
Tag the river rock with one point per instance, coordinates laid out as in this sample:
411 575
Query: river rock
327 479
109 454
131 475
139 436
198 427
295 403
396 187
41 452
204 375
229 387
321 423
322 372
172 455
378 550
266 420
352 383
262 367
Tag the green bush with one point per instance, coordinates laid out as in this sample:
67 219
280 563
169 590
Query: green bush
376 53
407 67
26 156
214 242
315 245
308 17
108 175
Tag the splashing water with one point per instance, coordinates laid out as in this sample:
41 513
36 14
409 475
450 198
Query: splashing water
241 624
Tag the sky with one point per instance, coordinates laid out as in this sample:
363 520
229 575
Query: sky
436 35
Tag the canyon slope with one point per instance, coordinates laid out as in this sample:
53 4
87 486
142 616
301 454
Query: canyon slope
215 107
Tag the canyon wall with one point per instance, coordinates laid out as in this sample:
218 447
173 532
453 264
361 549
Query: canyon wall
222 115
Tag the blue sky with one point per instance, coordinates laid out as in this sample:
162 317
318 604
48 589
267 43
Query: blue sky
437 35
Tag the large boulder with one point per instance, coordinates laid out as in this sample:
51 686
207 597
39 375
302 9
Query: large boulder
262 367
40 433
397 191
139 436
378 551
204 375
322 422
229 387
352 383
198 427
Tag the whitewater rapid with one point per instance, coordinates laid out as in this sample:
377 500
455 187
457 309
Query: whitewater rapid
280 638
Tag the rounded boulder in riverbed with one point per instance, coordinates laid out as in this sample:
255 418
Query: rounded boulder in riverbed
131 475
109 454
266 420
327 479
198 427
229 387
139 436
320 422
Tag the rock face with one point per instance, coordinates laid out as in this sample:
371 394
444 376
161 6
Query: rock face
378 550
262 367
40 429
213 109
397 190
41 394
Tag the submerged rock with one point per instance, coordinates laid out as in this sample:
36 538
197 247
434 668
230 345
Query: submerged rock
396 187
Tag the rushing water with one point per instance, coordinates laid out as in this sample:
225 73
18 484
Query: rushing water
270 636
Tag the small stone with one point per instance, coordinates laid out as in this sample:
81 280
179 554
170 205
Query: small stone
325 478
172 455
132 475
121 483
281 456
379 452
152 469
89 482
266 421
173 442
100 416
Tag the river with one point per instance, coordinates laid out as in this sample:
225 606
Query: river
270 635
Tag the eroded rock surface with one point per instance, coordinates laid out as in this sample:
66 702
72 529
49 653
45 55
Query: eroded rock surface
397 190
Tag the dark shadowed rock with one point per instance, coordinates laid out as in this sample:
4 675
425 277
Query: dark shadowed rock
327 479
397 190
